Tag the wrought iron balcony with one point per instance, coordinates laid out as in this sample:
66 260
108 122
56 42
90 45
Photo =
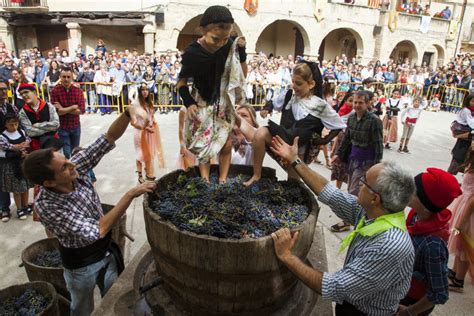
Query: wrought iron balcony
25 6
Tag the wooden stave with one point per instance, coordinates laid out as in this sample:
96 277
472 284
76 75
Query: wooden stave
215 289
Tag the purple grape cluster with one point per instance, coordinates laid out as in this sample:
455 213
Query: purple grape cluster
49 259
232 210
30 303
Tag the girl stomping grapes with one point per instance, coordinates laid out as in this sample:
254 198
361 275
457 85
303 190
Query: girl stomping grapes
304 115
216 63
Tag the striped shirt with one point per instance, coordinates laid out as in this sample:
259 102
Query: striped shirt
377 270
74 217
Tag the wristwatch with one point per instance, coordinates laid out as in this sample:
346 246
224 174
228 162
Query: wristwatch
296 162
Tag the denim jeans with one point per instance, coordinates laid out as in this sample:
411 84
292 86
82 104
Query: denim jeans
71 139
4 200
81 283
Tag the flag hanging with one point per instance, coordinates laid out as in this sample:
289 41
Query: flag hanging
251 6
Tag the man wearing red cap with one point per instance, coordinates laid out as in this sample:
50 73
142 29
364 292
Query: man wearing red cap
428 225
39 119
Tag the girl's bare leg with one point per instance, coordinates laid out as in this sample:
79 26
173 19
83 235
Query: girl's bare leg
149 171
225 157
205 170
262 138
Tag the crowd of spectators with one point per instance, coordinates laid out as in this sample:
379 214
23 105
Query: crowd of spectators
116 74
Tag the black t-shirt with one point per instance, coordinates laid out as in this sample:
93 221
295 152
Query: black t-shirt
205 69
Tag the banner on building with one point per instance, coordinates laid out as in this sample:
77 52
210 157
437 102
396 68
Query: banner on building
453 29
393 21
251 6
375 3
425 23
319 9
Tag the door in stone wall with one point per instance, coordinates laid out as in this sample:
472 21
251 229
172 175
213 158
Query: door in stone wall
50 36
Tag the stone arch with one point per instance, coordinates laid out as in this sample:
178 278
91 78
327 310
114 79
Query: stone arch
191 32
340 41
405 49
440 55
283 37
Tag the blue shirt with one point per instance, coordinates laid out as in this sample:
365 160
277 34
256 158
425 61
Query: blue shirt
431 266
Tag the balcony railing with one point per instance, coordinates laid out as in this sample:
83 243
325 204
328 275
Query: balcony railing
25 5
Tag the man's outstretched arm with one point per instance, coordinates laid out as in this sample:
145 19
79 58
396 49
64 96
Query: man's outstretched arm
118 127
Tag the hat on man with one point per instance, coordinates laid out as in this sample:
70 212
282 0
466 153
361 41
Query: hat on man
436 189
27 86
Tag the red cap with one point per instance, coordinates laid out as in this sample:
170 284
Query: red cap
27 86
436 189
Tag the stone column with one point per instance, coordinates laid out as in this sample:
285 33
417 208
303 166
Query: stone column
6 35
74 37
149 32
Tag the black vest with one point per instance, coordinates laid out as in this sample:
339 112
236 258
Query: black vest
37 117
393 109
75 258
304 128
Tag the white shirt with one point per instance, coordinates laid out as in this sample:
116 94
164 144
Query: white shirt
465 118
411 113
310 106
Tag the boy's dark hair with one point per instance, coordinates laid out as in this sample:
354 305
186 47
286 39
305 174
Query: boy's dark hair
66 69
9 116
363 94
396 89
36 166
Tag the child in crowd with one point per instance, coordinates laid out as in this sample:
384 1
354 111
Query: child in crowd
242 151
435 104
304 114
409 119
339 168
390 121
405 101
424 103
213 62
461 240
15 144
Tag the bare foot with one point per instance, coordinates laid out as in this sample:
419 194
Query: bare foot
222 181
206 180
252 180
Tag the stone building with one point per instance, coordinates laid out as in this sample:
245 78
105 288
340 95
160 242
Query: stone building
317 28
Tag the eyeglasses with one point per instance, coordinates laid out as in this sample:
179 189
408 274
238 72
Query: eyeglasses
363 180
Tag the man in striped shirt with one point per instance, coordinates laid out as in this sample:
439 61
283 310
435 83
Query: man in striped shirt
380 256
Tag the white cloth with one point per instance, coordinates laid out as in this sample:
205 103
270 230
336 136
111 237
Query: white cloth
411 113
13 136
425 23
233 79
243 156
465 118
314 106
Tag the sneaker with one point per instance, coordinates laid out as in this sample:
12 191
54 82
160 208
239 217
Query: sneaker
340 227
5 215
387 146
29 209
405 150
21 213
456 285
399 150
